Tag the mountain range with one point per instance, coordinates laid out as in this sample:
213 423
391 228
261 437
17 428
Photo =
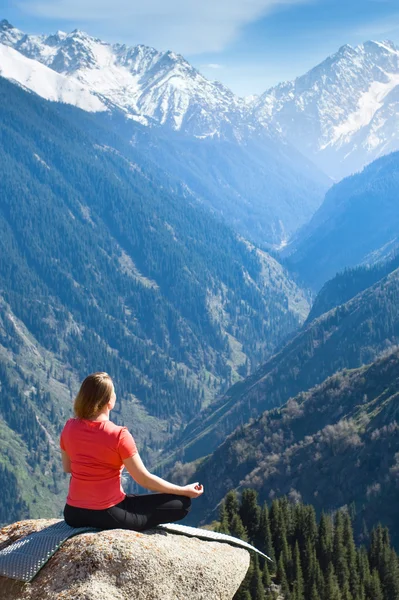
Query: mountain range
341 114
347 336
334 440
139 205
107 264
235 165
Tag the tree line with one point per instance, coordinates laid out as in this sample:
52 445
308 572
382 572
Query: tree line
312 559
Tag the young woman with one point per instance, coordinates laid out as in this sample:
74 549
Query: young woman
95 451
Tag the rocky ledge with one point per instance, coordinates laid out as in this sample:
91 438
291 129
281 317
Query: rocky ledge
127 565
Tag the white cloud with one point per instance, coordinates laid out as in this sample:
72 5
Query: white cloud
212 66
379 27
186 26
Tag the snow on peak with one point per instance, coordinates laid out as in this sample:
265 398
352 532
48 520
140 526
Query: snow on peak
341 113
139 80
348 102
8 33
46 83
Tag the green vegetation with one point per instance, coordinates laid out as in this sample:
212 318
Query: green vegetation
336 445
105 265
348 336
311 560
344 286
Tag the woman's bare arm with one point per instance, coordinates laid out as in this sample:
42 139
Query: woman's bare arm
147 480
66 462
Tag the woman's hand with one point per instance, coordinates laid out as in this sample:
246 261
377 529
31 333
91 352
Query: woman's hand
193 490
147 480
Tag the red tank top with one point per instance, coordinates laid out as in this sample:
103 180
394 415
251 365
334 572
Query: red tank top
97 450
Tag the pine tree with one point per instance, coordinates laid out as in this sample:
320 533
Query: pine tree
324 542
363 564
351 556
256 584
250 512
298 584
263 537
339 551
376 550
314 595
231 506
281 579
223 526
237 529
309 562
374 587
331 589
389 574
346 592
267 580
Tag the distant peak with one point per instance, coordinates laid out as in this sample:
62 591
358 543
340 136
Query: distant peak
4 24
346 49
386 45
78 33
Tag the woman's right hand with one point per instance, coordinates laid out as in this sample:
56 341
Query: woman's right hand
192 490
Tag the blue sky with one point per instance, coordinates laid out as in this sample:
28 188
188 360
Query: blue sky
249 45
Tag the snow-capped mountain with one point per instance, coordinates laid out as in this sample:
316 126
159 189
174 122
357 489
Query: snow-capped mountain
199 131
144 83
342 114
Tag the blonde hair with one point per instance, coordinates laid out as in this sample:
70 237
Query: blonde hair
95 393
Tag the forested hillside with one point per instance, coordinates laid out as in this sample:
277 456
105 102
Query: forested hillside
335 445
103 266
348 336
357 223
348 283
313 558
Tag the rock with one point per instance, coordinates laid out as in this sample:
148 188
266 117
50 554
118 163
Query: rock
128 565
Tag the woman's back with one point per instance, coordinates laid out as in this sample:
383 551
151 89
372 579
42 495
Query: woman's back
97 450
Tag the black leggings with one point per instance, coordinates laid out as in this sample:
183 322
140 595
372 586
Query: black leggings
134 512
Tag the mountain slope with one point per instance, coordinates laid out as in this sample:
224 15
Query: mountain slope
104 266
343 113
358 222
348 336
335 445
348 284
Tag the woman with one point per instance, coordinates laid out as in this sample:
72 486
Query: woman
95 451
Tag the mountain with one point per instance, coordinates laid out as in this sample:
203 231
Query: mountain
342 114
139 80
348 284
333 446
205 136
348 336
105 264
358 223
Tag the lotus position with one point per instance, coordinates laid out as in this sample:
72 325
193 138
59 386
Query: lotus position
95 451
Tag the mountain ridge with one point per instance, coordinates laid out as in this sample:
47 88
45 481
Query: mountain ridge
341 113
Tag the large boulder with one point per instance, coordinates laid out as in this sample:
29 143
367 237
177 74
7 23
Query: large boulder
128 565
